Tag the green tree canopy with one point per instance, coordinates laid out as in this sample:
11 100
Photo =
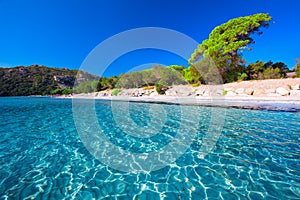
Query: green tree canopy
297 67
165 76
268 70
226 42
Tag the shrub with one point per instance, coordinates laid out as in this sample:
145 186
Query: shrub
195 84
242 77
191 75
60 91
115 92
270 73
67 91
86 86
160 89
297 69
224 92
148 87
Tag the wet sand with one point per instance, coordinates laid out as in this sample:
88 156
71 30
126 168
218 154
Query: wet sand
288 104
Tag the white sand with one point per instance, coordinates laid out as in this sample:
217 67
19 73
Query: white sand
266 99
285 103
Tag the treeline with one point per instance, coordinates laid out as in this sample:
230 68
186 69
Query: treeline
158 75
268 70
164 77
41 80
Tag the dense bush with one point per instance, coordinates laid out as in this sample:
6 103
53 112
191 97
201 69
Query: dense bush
115 92
297 68
86 87
242 77
268 70
270 73
191 75
297 71
160 89
60 91
107 83
157 75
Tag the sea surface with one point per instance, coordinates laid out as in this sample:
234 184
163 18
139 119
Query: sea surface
43 156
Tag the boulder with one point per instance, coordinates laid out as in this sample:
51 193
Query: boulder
148 92
206 94
102 94
270 91
231 94
199 92
228 89
184 91
240 91
218 92
295 93
179 90
258 92
249 91
282 91
171 92
296 87
273 95
141 92
153 94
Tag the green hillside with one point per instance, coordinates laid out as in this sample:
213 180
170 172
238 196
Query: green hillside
37 80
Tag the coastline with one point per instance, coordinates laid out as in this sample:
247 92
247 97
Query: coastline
287 104
270 94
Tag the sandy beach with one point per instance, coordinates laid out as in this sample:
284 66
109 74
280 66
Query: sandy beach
256 103
273 94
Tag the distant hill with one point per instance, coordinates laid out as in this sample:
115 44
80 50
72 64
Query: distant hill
38 80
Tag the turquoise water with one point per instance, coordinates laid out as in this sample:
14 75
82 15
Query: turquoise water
42 156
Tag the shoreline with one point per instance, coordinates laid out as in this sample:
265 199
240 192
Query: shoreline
269 94
287 104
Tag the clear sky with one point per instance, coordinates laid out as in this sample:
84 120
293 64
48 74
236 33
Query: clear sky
61 33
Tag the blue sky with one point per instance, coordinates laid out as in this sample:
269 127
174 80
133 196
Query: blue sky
62 33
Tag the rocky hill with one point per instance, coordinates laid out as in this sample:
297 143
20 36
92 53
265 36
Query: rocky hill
37 80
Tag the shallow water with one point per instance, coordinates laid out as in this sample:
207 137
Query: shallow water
42 156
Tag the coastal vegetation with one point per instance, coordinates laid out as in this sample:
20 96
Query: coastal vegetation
297 68
40 80
115 92
226 44
221 53
35 80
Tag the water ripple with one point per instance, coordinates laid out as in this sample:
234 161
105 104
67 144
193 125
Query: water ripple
42 156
